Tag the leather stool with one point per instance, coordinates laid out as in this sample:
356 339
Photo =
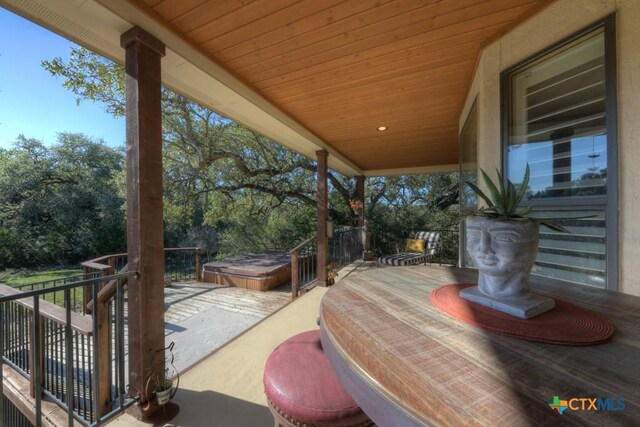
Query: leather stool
303 391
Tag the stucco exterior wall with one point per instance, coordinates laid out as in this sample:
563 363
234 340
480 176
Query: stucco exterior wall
553 24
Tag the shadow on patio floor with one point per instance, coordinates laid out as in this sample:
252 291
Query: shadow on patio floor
217 409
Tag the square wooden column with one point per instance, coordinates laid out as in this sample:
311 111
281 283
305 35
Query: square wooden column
322 198
145 236
360 198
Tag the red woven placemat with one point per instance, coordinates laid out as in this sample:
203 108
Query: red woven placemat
567 324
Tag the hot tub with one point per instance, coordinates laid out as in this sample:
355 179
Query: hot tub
260 271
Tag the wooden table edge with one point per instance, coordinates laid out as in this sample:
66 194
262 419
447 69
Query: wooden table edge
374 399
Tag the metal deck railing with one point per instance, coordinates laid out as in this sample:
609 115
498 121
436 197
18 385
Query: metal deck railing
75 360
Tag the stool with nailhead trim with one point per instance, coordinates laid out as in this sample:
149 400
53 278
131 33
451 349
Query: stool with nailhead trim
303 391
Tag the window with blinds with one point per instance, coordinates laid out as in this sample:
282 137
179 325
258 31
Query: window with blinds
580 255
557 117
558 122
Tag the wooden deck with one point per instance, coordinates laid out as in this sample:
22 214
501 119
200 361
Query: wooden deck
201 317
186 299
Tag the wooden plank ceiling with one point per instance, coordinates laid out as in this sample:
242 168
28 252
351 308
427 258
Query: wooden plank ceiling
344 68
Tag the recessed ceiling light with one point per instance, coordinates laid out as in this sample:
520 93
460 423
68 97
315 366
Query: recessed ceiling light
382 128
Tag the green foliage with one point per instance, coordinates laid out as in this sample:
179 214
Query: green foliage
231 190
398 206
505 201
12 248
59 204
281 228
91 76
211 164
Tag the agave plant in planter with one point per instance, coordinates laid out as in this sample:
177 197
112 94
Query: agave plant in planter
502 240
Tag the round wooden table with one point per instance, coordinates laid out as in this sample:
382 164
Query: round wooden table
408 364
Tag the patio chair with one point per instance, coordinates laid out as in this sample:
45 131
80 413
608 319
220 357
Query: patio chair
414 252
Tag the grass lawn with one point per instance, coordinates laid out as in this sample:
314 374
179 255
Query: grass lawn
25 277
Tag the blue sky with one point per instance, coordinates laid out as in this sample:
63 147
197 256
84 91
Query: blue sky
33 102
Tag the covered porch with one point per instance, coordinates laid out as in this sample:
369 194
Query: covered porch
463 376
373 89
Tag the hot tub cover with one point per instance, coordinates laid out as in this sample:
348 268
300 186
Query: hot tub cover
256 264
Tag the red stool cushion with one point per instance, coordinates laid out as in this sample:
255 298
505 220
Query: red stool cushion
299 381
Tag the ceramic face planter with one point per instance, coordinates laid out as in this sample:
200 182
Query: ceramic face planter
504 253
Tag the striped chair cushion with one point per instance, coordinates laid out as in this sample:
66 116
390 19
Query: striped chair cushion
411 258
431 237
403 258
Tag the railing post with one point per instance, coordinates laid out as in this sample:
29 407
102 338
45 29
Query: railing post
103 363
106 273
119 325
36 356
198 265
102 351
2 322
36 360
295 257
86 291
68 336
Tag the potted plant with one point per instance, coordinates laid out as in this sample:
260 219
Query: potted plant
163 388
502 240
163 384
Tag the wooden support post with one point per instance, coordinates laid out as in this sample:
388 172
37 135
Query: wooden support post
198 265
295 264
145 238
360 198
322 199
364 235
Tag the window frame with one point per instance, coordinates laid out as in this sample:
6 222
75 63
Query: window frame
610 201
473 110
